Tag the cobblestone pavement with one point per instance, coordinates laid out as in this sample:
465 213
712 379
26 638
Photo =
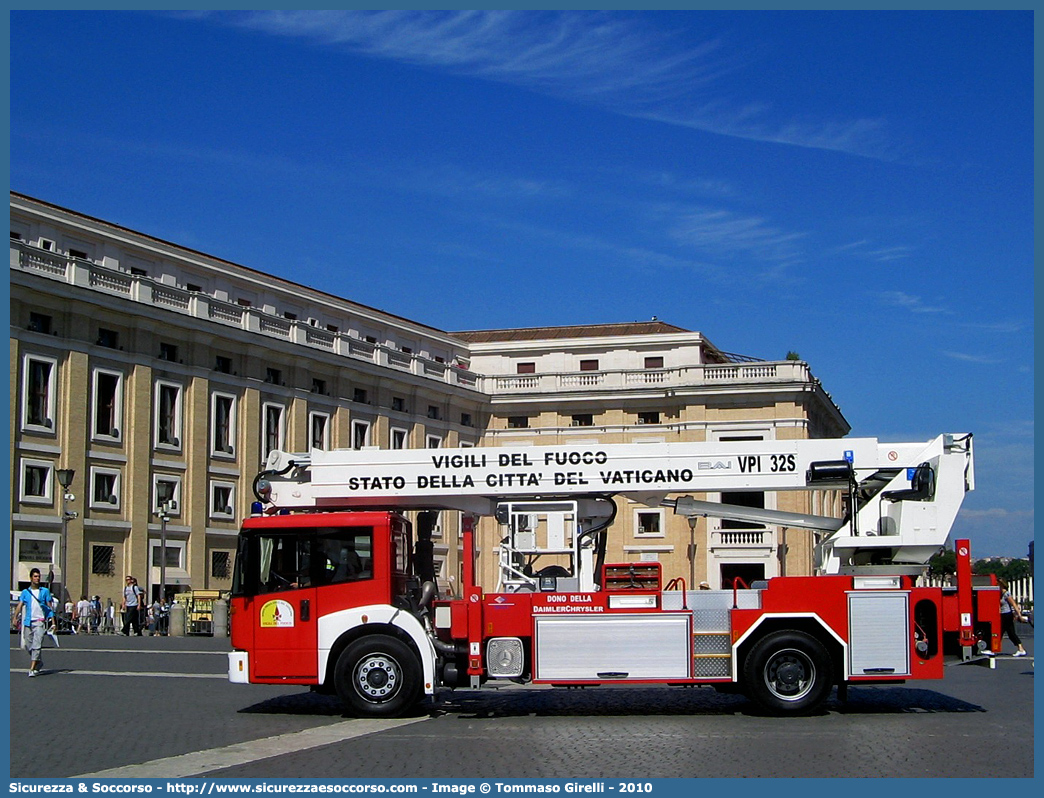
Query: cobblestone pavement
976 722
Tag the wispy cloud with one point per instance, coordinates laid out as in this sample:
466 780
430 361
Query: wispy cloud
967 358
1003 327
725 234
869 250
613 61
909 302
997 514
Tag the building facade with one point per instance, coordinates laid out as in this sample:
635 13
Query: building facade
161 377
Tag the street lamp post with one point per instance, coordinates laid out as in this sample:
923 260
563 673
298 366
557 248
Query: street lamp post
65 478
165 508
692 552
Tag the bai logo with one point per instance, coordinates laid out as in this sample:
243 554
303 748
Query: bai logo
714 465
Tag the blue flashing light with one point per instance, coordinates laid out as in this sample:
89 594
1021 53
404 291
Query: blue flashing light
256 508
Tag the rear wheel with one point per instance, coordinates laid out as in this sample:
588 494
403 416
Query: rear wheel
378 676
788 673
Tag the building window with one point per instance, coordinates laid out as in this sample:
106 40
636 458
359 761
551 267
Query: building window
36 481
40 323
654 362
168 352
222 499
518 422
110 339
103 560
583 420
433 442
273 430
433 412
108 403
525 368
398 404
588 365
222 423
318 423
465 420
36 551
648 523
105 488
168 414
360 434
751 498
318 386
359 396
398 438
649 418
38 395
173 557
219 564
222 364
166 490
273 376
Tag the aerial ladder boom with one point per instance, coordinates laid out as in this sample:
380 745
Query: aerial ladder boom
902 498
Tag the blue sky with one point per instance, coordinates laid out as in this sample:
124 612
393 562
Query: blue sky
856 187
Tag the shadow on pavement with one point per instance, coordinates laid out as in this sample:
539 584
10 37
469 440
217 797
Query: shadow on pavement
612 701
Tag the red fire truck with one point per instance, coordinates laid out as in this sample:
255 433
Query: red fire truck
335 588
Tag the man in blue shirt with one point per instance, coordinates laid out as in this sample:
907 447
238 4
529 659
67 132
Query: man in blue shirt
37 614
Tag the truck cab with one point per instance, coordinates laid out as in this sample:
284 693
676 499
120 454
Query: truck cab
295 572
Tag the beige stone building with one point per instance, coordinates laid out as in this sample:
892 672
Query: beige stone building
162 377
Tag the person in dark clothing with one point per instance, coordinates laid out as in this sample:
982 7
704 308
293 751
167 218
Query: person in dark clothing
1010 612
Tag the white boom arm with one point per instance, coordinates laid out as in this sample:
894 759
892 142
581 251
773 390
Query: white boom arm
907 494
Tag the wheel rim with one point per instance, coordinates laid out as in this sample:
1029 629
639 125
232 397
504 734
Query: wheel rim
790 674
377 677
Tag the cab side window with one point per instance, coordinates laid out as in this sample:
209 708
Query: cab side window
283 563
343 555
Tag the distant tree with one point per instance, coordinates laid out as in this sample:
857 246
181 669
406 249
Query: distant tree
792 355
1018 569
988 567
943 564
1012 571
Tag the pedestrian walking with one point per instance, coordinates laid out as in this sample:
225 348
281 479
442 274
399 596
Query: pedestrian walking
96 615
110 618
83 616
37 615
1010 612
133 598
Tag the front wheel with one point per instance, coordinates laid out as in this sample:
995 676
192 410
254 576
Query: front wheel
378 676
788 673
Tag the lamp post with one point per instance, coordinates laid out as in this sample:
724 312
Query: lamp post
65 478
692 552
165 508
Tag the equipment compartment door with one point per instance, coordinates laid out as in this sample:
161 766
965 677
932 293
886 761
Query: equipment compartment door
879 634
613 648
